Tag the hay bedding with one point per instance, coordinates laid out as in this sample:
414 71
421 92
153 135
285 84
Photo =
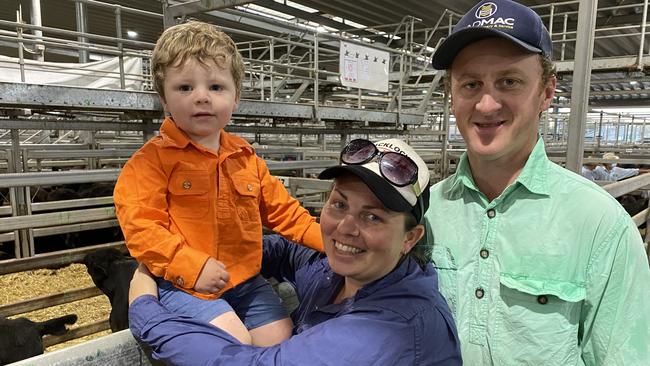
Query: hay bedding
27 285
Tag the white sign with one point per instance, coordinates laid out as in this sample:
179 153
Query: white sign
364 67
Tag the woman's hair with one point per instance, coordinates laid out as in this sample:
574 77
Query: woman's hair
421 251
198 40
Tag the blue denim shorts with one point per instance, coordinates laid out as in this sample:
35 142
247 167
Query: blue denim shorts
254 302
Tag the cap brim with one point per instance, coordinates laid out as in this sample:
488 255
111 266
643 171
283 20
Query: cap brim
382 189
447 51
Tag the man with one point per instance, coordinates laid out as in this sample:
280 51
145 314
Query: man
539 266
612 172
588 170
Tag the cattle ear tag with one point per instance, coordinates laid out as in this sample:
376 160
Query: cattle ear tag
187 184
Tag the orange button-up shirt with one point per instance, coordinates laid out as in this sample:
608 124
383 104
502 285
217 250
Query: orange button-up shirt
179 203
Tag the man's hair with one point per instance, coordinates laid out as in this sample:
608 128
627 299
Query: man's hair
201 41
548 72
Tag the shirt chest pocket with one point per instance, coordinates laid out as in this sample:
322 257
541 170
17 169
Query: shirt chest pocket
189 194
537 321
247 196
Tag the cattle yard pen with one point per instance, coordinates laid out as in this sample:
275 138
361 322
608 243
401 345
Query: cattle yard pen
56 260
293 105
75 256
23 220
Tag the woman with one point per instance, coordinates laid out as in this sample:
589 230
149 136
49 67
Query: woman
369 301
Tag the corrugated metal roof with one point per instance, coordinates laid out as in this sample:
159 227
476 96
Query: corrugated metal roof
618 24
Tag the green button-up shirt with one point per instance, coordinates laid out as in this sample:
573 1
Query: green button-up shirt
551 272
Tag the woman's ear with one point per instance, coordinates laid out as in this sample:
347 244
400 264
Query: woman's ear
412 237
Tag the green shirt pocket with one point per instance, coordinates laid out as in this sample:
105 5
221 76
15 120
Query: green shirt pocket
537 321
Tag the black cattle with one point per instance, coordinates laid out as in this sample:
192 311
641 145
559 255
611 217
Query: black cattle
22 338
111 272
4 196
633 204
96 190
61 194
78 238
39 193
99 236
52 243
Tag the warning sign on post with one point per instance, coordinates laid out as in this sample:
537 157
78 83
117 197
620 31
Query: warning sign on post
364 67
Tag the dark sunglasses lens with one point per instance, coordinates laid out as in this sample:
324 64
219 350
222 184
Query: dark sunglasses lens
398 169
358 151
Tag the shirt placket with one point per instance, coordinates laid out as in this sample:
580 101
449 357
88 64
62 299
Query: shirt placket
483 276
223 211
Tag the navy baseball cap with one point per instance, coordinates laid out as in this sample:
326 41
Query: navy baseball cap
495 18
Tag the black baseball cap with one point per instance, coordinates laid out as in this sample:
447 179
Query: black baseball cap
398 199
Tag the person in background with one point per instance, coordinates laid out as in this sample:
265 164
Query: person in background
609 171
539 266
587 169
192 201
372 299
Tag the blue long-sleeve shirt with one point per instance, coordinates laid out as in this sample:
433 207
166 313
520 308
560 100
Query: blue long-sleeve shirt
400 319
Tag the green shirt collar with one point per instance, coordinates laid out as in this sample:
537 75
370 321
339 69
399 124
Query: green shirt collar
533 177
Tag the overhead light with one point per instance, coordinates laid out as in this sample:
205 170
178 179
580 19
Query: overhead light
633 82
132 34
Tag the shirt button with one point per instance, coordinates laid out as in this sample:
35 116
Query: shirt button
479 293
187 184
179 281
249 187
484 253
491 213
542 299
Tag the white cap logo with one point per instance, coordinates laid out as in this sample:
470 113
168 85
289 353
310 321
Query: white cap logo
486 10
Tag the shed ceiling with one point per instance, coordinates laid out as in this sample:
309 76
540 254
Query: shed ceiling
617 20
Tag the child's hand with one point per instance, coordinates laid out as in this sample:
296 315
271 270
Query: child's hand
142 283
213 277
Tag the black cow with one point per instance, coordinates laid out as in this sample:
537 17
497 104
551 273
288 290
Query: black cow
111 272
99 236
78 239
22 338
56 242
4 196
633 204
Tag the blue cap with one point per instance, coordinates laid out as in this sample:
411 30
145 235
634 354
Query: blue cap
495 18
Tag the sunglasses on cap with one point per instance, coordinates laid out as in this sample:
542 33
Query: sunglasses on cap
398 169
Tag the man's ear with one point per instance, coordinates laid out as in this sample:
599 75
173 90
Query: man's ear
549 93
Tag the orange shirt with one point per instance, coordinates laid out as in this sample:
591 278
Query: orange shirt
179 203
